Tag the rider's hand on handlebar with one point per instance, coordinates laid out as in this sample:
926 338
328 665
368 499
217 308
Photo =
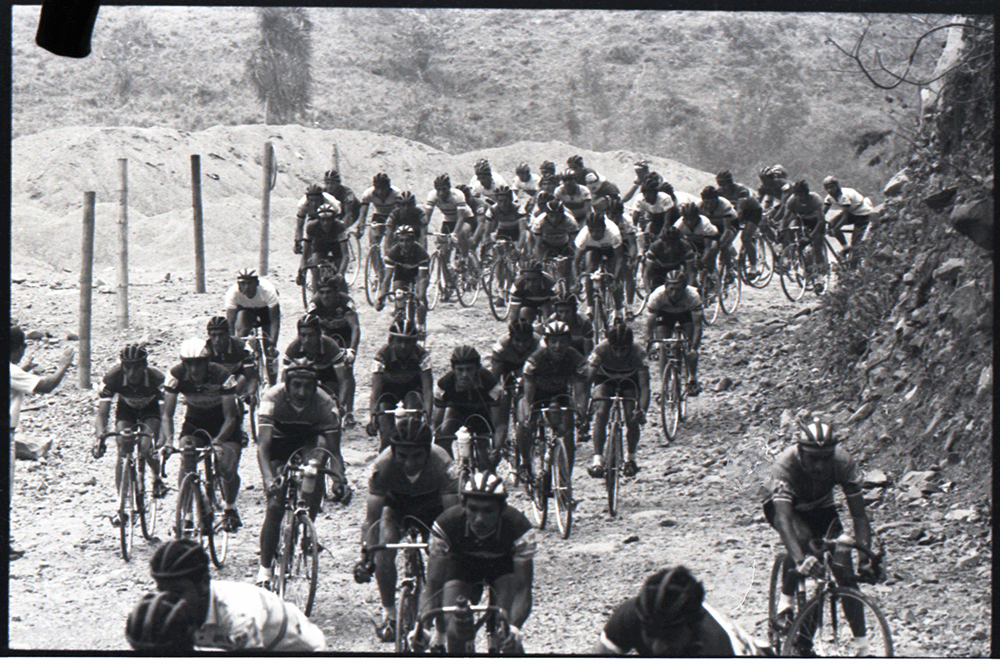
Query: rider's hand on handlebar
437 639
512 643
371 428
418 639
275 487
810 567
298 246
640 417
300 277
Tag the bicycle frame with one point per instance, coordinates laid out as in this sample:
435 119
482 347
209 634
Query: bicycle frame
131 490
493 616
673 392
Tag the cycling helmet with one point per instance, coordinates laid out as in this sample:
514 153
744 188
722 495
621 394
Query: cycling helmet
555 329
522 169
309 321
592 178
406 230
247 275
801 186
411 431
724 177
575 162
831 180
676 276
161 621
314 190
554 207
641 165
134 353
381 180
407 198
620 335
218 323
300 369
179 558
193 348
651 182
326 210
709 193
485 485
404 329
464 355
442 182
778 171
333 175
816 436
533 267
520 329
505 191
689 210
547 167
482 166
670 597
567 176
764 173
565 297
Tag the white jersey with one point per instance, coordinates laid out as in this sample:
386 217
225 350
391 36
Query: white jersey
266 297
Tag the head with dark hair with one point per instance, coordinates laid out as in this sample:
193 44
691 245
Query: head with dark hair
16 338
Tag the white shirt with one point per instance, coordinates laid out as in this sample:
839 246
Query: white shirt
266 296
21 382
851 201
612 237
524 189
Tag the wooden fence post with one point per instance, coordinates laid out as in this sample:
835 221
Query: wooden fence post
199 232
270 177
336 158
121 291
86 288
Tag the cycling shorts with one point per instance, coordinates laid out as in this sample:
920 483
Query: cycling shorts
282 448
818 520
594 255
254 317
509 233
124 412
212 425
469 570
666 321
627 387
341 335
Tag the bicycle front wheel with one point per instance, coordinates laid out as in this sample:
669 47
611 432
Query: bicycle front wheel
145 505
406 616
537 488
710 296
793 273
126 508
764 266
219 544
373 274
670 401
354 259
498 290
730 290
600 320
470 281
612 467
827 614
298 572
434 278
773 594
562 489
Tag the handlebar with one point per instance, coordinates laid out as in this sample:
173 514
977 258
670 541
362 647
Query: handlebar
138 430
826 547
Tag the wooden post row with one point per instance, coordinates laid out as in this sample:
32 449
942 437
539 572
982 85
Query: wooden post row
121 310
265 207
86 287
199 232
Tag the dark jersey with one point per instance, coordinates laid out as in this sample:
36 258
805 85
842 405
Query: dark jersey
749 210
609 366
325 241
526 291
319 416
336 319
669 256
401 370
411 216
509 359
326 358
485 392
605 194
234 357
473 559
149 392
406 265
790 482
555 375
437 478
204 401
348 202
580 329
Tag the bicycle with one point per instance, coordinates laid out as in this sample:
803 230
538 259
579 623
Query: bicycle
374 267
730 283
614 452
132 500
554 474
673 384
603 286
260 362
765 260
797 267
298 547
320 270
475 447
465 273
498 280
817 625
353 258
487 614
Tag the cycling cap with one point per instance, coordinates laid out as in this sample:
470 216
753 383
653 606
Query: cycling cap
327 210
568 175
555 329
404 329
816 435
779 171
554 207
442 182
133 353
247 275
801 186
485 485
592 178
620 335
380 180
670 597
505 191
642 165
309 321
547 167
520 329
302 369
831 180
333 175
314 190
161 621
482 166
522 168
651 182
405 230
690 209
193 348
724 177
710 193
676 276
464 355
179 558
407 198
411 431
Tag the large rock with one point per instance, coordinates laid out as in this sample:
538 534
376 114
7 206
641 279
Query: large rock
964 305
897 184
974 220
948 271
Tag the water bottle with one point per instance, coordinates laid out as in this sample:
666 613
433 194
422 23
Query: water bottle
309 478
464 441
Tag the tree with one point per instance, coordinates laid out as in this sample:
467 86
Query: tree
278 68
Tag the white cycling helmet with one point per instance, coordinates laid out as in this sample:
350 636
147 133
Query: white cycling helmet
193 348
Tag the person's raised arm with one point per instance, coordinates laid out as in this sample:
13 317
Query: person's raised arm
49 382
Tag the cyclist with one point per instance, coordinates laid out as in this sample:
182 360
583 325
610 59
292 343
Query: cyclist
618 367
599 241
845 206
774 190
552 230
700 232
401 373
478 205
749 214
410 478
532 294
253 302
210 394
630 249
468 391
652 207
381 196
344 195
581 329
457 215
603 193
407 214
507 362
322 353
227 614
547 168
339 321
677 302
485 183
525 185
139 389
667 253
547 184
506 219
722 216
231 353
307 207
729 189
550 375
807 208
669 618
406 265
641 173
483 541
575 198
800 507
580 172
294 414
326 240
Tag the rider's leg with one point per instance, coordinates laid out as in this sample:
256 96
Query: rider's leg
600 434
385 563
124 445
345 378
270 532
746 238
146 445
229 464
692 355
527 422
591 262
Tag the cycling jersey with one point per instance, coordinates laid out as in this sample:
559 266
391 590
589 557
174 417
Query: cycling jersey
204 401
506 220
484 393
669 256
734 192
851 201
326 358
242 616
382 205
473 560
437 478
789 482
318 417
577 204
527 290
325 242
524 190
553 375
509 359
148 393
406 265
661 205
450 205
396 370
611 367
234 357
555 233
808 207
717 635
481 191
335 319
307 207
603 195
718 211
611 239
266 297
703 229
659 301
348 202
749 211
409 216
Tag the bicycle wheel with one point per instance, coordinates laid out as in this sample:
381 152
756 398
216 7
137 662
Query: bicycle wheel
537 489
373 274
710 296
764 266
305 291
299 564
562 489
792 275
730 289
498 290
506 467
406 616
434 278
185 522
600 319
354 259
126 508
612 466
144 502
670 401
469 281
773 592
219 544
833 634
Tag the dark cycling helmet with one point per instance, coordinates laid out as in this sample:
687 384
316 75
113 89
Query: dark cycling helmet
179 558
567 176
575 162
411 431
555 329
801 186
547 167
217 323
778 171
764 173
464 355
381 180
816 436
676 276
554 207
534 267
522 169
724 177
193 348
407 198
485 485
690 209
652 182
326 210
505 191
620 335
442 182
161 621
709 193
482 166
404 329
314 190
247 275
134 353
333 175
520 329
301 369
670 597
309 321
641 165
406 230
